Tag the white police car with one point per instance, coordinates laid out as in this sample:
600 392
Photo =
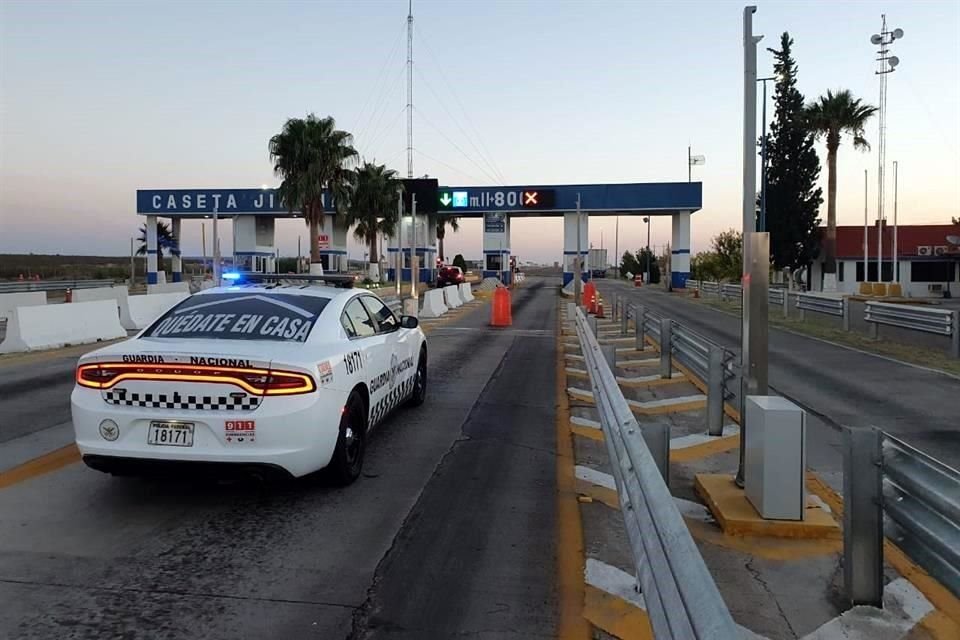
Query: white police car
286 375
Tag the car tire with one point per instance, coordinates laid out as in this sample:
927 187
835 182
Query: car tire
347 461
419 394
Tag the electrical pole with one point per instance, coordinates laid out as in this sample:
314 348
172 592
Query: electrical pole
896 257
216 249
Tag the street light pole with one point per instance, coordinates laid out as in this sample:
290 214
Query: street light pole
763 160
216 248
753 374
646 277
577 283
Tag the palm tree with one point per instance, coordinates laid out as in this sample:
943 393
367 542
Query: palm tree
165 241
442 223
312 155
830 117
373 208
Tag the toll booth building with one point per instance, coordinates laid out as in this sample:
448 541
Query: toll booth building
255 211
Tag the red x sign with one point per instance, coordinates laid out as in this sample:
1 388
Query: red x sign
529 198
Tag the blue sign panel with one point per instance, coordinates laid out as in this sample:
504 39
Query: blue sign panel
494 222
201 202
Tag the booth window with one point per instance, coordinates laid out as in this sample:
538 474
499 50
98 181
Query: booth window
494 262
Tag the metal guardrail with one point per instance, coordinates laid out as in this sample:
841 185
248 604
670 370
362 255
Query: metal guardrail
681 597
776 296
732 291
52 285
832 306
930 320
710 287
891 489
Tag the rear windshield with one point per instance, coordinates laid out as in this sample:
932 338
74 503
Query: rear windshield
245 315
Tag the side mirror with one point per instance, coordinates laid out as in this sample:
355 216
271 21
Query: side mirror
409 322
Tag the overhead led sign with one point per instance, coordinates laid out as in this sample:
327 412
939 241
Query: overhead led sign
494 199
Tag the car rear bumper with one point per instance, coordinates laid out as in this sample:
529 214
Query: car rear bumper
297 433
184 468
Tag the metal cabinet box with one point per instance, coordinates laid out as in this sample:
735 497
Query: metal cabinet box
775 457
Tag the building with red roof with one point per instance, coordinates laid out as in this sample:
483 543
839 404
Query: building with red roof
928 261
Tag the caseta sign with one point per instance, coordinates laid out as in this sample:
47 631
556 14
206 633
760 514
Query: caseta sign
201 202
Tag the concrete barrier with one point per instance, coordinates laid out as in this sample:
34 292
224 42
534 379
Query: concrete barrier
466 292
100 293
56 325
136 312
433 305
10 301
169 287
451 296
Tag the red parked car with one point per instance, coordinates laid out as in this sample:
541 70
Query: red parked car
449 275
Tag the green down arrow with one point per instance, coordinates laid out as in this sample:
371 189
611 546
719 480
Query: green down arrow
445 200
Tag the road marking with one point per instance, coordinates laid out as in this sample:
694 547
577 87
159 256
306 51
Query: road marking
593 476
613 604
571 589
903 608
41 465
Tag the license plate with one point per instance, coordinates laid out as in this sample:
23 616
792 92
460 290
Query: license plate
171 434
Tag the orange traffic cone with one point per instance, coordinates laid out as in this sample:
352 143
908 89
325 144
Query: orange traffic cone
69 295
500 313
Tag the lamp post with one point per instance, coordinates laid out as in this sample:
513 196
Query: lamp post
886 64
646 277
762 226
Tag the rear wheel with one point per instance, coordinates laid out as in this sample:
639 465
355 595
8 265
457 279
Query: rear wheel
347 461
419 394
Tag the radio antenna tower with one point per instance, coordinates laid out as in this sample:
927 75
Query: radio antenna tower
410 91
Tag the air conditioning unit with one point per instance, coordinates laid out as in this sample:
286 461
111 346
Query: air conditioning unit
940 249
924 250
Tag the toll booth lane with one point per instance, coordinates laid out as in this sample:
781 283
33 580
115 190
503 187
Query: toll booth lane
87 554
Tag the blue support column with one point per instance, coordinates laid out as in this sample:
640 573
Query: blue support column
151 250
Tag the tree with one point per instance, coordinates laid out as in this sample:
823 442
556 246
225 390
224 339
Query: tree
629 264
373 209
706 266
459 261
793 198
311 155
830 117
165 241
442 223
955 220
728 247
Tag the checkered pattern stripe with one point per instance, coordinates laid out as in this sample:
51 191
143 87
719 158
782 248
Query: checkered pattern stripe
232 402
389 402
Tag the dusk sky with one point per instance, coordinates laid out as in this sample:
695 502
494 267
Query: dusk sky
98 99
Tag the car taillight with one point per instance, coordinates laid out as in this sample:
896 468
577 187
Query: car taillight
262 382
97 376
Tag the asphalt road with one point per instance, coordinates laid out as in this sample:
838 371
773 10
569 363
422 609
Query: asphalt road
449 533
837 386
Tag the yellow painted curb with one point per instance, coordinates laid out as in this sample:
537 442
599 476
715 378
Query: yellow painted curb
616 616
669 408
571 597
936 593
706 449
729 505
607 496
587 432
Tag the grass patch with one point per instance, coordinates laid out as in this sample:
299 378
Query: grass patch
816 328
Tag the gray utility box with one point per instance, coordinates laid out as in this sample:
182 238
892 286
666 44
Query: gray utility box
776 457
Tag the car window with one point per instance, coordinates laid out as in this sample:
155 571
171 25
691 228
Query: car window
248 315
385 318
347 325
362 323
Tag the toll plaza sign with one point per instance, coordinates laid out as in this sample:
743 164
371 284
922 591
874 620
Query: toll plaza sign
188 203
496 199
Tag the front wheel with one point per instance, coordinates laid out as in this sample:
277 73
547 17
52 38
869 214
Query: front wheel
419 394
347 461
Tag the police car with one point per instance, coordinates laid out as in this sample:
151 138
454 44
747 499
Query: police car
289 375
